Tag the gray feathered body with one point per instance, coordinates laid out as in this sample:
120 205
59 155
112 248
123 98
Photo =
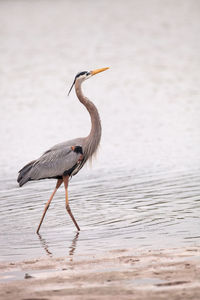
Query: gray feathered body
55 162
61 159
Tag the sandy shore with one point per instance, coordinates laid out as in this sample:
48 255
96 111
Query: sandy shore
120 274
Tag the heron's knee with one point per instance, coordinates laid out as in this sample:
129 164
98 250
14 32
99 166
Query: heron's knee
68 208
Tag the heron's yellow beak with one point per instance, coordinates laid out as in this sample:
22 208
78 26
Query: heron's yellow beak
94 72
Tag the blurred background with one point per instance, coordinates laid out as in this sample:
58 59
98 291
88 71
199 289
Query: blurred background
144 184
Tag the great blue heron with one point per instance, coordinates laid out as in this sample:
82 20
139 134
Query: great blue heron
66 159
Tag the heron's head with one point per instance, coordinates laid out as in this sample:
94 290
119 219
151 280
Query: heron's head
85 75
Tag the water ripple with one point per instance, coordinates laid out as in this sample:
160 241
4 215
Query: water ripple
128 212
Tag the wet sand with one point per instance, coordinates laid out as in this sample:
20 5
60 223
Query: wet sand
120 274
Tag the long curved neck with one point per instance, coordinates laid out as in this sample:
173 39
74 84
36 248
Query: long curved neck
93 139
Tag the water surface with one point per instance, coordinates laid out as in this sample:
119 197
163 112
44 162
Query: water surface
143 189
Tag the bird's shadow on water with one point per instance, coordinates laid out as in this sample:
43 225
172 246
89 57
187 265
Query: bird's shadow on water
72 247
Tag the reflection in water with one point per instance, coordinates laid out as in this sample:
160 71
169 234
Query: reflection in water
44 245
49 253
73 245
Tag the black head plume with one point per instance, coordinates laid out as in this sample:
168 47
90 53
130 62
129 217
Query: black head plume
72 86
78 75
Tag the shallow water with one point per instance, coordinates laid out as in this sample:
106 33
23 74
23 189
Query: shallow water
143 189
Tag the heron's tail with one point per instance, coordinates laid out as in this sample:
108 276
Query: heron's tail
23 176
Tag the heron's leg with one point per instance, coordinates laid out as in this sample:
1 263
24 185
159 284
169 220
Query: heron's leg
59 182
66 180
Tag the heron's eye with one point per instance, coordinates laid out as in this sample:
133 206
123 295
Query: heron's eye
88 73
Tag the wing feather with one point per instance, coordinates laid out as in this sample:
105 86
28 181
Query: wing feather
54 162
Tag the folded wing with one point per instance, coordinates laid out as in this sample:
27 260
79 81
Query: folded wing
53 163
